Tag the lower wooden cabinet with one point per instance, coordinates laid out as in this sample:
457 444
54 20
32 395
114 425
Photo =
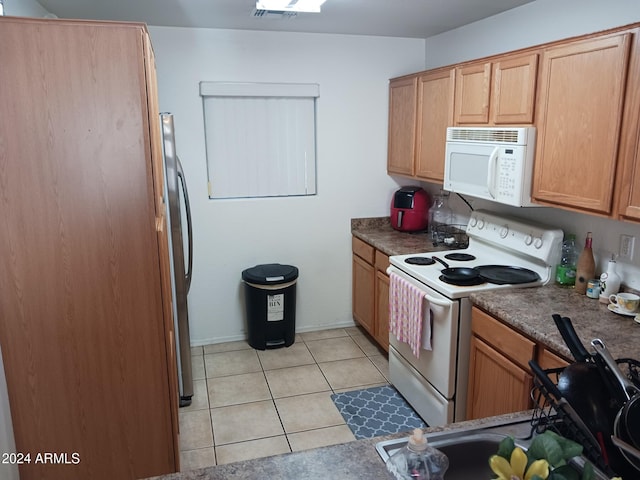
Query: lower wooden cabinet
500 380
496 384
370 291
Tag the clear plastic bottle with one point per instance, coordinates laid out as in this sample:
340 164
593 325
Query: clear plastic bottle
440 215
418 460
566 270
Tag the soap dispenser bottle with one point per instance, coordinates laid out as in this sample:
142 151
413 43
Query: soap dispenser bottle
418 460
609 281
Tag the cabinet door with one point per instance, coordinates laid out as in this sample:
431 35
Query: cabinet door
628 177
363 293
81 313
472 93
496 384
402 125
579 112
435 114
513 89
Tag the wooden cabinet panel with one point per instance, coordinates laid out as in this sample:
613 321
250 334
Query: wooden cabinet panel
363 293
472 89
382 310
363 249
496 385
515 346
628 175
435 114
402 125
82 318
547 359
513 89
582 85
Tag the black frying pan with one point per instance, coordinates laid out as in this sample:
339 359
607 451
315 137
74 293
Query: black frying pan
627 421
583 385
457 274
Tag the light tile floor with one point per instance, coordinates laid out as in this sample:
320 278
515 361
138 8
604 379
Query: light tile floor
250 403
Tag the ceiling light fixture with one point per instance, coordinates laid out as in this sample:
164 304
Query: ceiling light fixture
309 6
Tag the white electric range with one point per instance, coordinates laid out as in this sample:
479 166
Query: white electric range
502 253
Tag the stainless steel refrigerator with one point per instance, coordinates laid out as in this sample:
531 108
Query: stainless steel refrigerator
177 201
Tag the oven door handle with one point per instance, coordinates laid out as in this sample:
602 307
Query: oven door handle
435 301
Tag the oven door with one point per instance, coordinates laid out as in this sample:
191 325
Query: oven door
429 382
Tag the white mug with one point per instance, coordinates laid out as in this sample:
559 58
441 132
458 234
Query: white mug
627 302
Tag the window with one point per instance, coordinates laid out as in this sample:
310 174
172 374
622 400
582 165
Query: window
260 139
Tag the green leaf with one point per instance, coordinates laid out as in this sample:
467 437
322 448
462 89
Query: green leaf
569 448
587 472
547 447
505 448
565 472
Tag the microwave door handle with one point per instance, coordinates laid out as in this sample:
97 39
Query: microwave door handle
491 171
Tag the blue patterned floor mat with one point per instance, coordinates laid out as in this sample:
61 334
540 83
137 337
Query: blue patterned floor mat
376 411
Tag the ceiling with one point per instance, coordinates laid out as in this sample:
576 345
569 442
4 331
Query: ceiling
394 18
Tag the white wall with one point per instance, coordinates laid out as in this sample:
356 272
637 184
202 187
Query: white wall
24 8
312 233
539 22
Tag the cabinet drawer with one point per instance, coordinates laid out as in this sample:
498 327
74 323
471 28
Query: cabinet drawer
515 346
362 249
382 261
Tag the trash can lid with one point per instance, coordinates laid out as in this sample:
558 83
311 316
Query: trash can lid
270 274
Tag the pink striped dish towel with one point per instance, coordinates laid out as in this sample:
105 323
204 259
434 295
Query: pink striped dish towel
406 307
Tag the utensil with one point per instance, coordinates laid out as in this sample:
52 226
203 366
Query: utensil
618 442
455 274
562 403
627 421
585 386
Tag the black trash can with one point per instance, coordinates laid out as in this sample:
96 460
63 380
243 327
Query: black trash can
270 293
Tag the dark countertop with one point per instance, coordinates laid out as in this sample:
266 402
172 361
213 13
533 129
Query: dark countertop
378 232
530 309
357 460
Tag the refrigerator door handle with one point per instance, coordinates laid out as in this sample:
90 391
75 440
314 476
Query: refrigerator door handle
183 184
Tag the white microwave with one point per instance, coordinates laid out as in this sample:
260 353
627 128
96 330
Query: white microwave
492 163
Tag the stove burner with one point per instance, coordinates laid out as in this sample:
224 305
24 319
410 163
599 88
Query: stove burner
468 282
420 261
460 257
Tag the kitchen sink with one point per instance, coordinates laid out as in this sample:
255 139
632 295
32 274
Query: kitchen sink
469 450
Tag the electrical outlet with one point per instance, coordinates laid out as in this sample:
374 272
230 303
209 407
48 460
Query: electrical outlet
626 246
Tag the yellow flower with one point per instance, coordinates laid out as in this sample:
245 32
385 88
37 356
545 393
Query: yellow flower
515 469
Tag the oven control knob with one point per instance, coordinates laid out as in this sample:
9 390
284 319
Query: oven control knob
480 224
537 242
528 240
504 231
473 221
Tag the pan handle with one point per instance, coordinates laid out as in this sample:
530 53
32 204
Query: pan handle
625 446
570 337
439 260
629 388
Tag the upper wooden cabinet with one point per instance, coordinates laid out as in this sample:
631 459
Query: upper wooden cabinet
473 83
498 92
513 89
402 125
435 114
420 110
579 109
628 174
